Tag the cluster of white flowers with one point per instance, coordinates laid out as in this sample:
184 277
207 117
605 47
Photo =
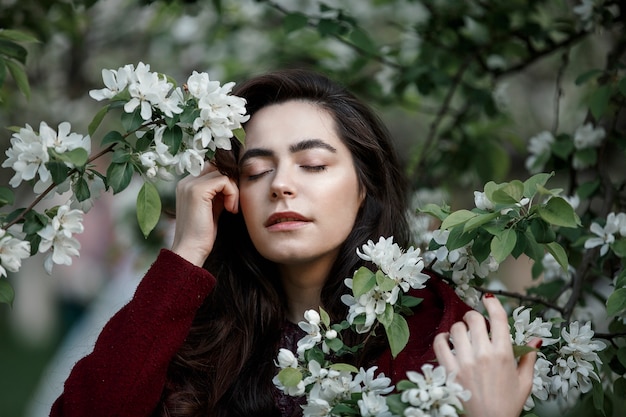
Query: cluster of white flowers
57 237
586 136
12 251
29 152
539 148
216 114
462 264
435 394
404 270
605 236
567 373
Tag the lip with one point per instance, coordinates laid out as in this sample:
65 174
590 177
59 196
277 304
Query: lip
286 220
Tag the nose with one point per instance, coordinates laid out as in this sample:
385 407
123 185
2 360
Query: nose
282 185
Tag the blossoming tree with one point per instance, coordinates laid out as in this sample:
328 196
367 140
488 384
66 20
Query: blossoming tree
566 212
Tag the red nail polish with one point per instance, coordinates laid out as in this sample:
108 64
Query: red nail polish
489 295
539 343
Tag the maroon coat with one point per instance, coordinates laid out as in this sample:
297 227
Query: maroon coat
125 374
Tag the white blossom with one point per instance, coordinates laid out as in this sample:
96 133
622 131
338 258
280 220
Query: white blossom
373 405
115 82
525 330
220 112
605 235
482 202
58 236
12 251
539 147
573 369
587 136
312 329
27 156
436 392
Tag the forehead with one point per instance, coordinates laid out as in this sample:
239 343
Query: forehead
290 122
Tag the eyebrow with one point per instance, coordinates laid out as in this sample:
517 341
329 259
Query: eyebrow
295 148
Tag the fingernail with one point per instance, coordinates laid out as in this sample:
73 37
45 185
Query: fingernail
489 295
539 343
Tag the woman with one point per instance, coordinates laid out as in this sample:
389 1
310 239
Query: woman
263 234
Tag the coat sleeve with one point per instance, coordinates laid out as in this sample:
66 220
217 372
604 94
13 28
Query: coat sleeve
125 373
439 310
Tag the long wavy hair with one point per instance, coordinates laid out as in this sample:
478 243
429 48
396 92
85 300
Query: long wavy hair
226 364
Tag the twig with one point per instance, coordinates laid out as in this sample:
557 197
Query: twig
521 297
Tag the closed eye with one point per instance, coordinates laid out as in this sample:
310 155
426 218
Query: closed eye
314 168
253 177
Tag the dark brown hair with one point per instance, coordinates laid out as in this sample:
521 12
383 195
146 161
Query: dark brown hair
225 366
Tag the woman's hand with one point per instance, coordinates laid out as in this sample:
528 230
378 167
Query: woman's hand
199 203
485 365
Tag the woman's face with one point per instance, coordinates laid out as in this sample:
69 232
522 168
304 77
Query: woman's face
299 191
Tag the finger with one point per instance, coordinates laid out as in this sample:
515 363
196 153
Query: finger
477 325
231 196
498 320
461 341
526 368
441 346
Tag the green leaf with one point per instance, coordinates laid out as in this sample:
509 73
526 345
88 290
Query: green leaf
530 185
509 193
240 134
599 101
384 282
587 156
97 119
362 281
395 403
410 301
34 222
397 334
132 121
621 279
616 302
324 317
148 208
586 76
502 245
519 351
119 176
619 247
76 157
456 218
112 137
587 189
481 248
559 212
598 396
17 35
344 367
559 254
7 197
290 377
294 21
457 238
542 231
13 50
386 318
173 137
334 344
19 75
81 189
479 220
434 210
7 294
362 40
58 170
